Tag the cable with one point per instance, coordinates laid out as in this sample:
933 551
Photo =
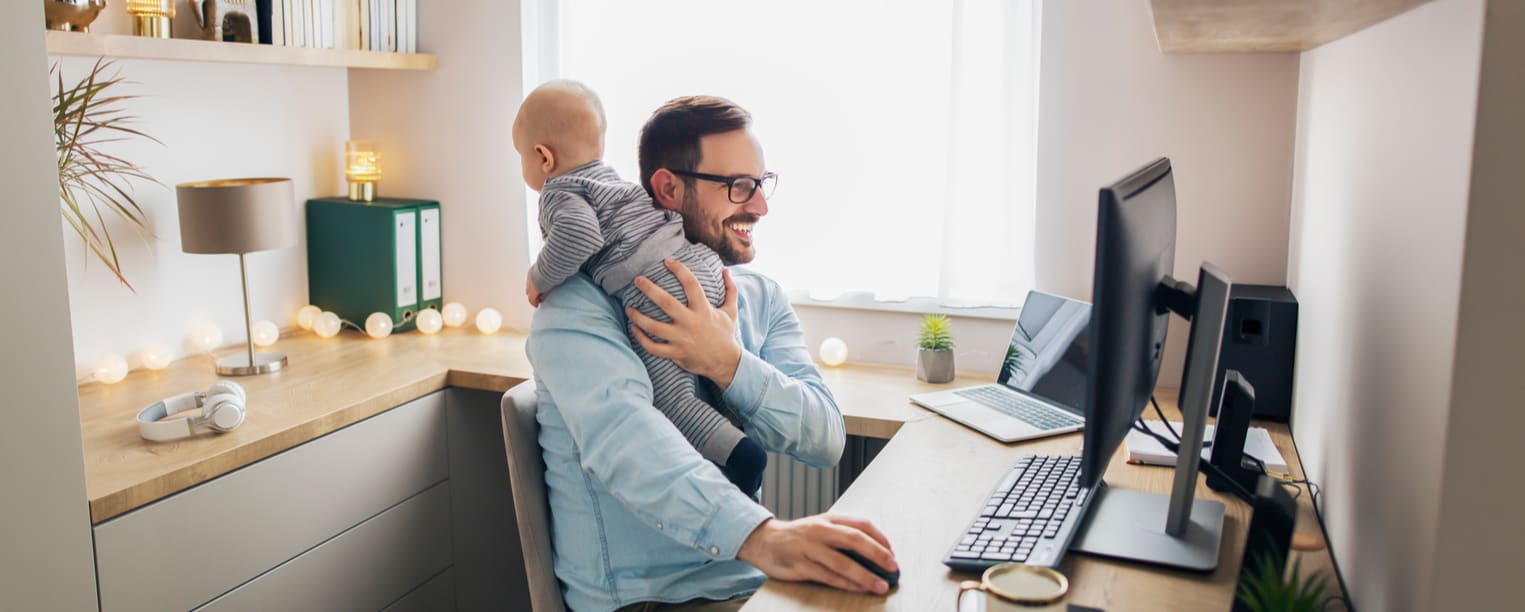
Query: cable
1201 465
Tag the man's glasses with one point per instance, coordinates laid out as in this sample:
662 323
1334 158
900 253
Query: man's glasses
741 188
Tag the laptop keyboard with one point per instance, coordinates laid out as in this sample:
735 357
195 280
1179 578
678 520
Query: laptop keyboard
1029 517
1020 407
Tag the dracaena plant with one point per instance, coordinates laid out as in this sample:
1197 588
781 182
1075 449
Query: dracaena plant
936 333
1267 589
94 185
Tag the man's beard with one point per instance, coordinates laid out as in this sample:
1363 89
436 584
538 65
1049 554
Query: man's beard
717 239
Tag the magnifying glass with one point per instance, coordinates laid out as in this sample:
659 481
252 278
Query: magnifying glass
1026 587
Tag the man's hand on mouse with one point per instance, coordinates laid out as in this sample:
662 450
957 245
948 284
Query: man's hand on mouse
805 549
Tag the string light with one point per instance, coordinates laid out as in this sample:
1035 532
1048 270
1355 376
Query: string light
378 325
204 337
326 325
154 356
833 352
430 321
455 314
111 369
488 321
306 315
265 333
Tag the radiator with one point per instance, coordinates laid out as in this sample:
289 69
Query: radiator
792 489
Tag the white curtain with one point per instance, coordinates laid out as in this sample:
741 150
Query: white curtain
902 131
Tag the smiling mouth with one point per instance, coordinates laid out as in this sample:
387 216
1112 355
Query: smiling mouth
741 230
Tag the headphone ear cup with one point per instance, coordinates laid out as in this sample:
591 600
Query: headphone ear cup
228 387
222 412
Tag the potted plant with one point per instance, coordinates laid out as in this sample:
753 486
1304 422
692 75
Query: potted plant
1266 588
934 355
92 184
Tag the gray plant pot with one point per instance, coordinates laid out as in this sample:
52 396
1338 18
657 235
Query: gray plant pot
934 366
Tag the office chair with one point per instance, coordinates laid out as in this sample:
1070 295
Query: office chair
526 476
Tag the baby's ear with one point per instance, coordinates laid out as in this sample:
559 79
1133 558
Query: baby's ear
547 158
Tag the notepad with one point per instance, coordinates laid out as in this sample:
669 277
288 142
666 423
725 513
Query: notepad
1143 449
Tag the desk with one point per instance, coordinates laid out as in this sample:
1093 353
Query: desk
921 490
926 484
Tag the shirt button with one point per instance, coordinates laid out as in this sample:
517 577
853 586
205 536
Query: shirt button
714 550
659 524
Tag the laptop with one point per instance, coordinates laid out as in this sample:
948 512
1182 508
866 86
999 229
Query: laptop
1041 390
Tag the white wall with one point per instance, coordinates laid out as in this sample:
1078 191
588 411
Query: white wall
46 560
1479 539
216 121
445 136
1379 211
1109 102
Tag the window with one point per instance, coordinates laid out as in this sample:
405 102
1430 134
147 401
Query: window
902 131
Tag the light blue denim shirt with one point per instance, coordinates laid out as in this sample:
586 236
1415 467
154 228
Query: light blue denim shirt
636 513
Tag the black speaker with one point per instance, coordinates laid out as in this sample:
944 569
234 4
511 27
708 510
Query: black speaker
1260 341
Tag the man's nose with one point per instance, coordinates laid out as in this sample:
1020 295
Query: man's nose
757 205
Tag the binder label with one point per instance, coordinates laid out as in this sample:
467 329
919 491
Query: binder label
407 260
428 254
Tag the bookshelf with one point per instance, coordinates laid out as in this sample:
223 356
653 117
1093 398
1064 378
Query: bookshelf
1217 26
188 50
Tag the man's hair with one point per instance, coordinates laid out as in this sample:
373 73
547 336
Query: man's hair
670 138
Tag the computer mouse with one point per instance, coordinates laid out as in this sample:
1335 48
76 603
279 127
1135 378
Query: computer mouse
890 578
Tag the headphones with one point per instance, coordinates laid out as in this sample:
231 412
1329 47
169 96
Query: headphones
222 409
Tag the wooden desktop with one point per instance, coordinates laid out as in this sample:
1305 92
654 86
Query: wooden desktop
921 490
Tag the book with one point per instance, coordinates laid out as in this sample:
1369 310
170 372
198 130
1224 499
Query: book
1146 450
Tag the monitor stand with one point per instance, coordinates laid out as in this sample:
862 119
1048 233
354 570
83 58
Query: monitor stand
1130 525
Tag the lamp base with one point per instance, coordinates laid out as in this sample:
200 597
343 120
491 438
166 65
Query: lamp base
238 364
362 192
152 26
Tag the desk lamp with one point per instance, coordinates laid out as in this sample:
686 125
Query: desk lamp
238 216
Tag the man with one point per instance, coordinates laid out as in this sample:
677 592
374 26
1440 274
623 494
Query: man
639 517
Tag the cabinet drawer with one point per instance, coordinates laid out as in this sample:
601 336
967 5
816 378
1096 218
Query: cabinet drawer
433 596
366 568
194 546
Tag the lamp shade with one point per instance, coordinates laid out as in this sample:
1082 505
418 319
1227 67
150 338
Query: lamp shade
236 215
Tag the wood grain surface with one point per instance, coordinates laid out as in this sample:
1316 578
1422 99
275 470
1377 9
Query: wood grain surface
931 478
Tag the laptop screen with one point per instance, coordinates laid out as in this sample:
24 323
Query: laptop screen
1048 353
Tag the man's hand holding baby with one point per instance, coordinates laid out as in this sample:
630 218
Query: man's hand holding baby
701 339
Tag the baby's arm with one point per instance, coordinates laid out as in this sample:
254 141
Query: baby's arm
572 236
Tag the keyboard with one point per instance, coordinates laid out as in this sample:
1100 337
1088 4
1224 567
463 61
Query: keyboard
1029 518
1021 407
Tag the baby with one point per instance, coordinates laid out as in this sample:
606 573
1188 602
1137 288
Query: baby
593 221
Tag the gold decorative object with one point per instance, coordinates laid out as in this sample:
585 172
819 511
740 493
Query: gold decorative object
151 18
71 15
227 20
362 168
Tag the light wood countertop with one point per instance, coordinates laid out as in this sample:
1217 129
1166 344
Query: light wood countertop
328 384
928 482
333 383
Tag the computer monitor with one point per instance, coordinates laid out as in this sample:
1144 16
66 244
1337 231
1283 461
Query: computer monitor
1133 295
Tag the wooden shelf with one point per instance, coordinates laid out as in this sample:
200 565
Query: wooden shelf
1217 26
187 50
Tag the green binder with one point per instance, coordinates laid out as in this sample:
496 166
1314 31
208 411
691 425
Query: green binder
380 256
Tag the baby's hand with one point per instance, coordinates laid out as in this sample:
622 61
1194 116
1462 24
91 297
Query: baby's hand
534 295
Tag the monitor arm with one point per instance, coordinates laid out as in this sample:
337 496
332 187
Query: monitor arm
1176 296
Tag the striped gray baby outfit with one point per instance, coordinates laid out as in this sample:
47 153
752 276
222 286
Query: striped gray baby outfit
591 220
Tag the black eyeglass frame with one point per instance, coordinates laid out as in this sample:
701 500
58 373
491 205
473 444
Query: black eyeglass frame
730 183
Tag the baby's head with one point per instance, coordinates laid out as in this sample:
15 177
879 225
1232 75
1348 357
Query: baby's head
559 128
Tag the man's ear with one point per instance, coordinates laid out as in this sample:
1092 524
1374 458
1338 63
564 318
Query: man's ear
547 159
667 189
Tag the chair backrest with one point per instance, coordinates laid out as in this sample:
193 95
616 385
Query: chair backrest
526 476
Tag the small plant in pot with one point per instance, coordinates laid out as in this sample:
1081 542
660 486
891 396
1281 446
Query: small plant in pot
934 357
